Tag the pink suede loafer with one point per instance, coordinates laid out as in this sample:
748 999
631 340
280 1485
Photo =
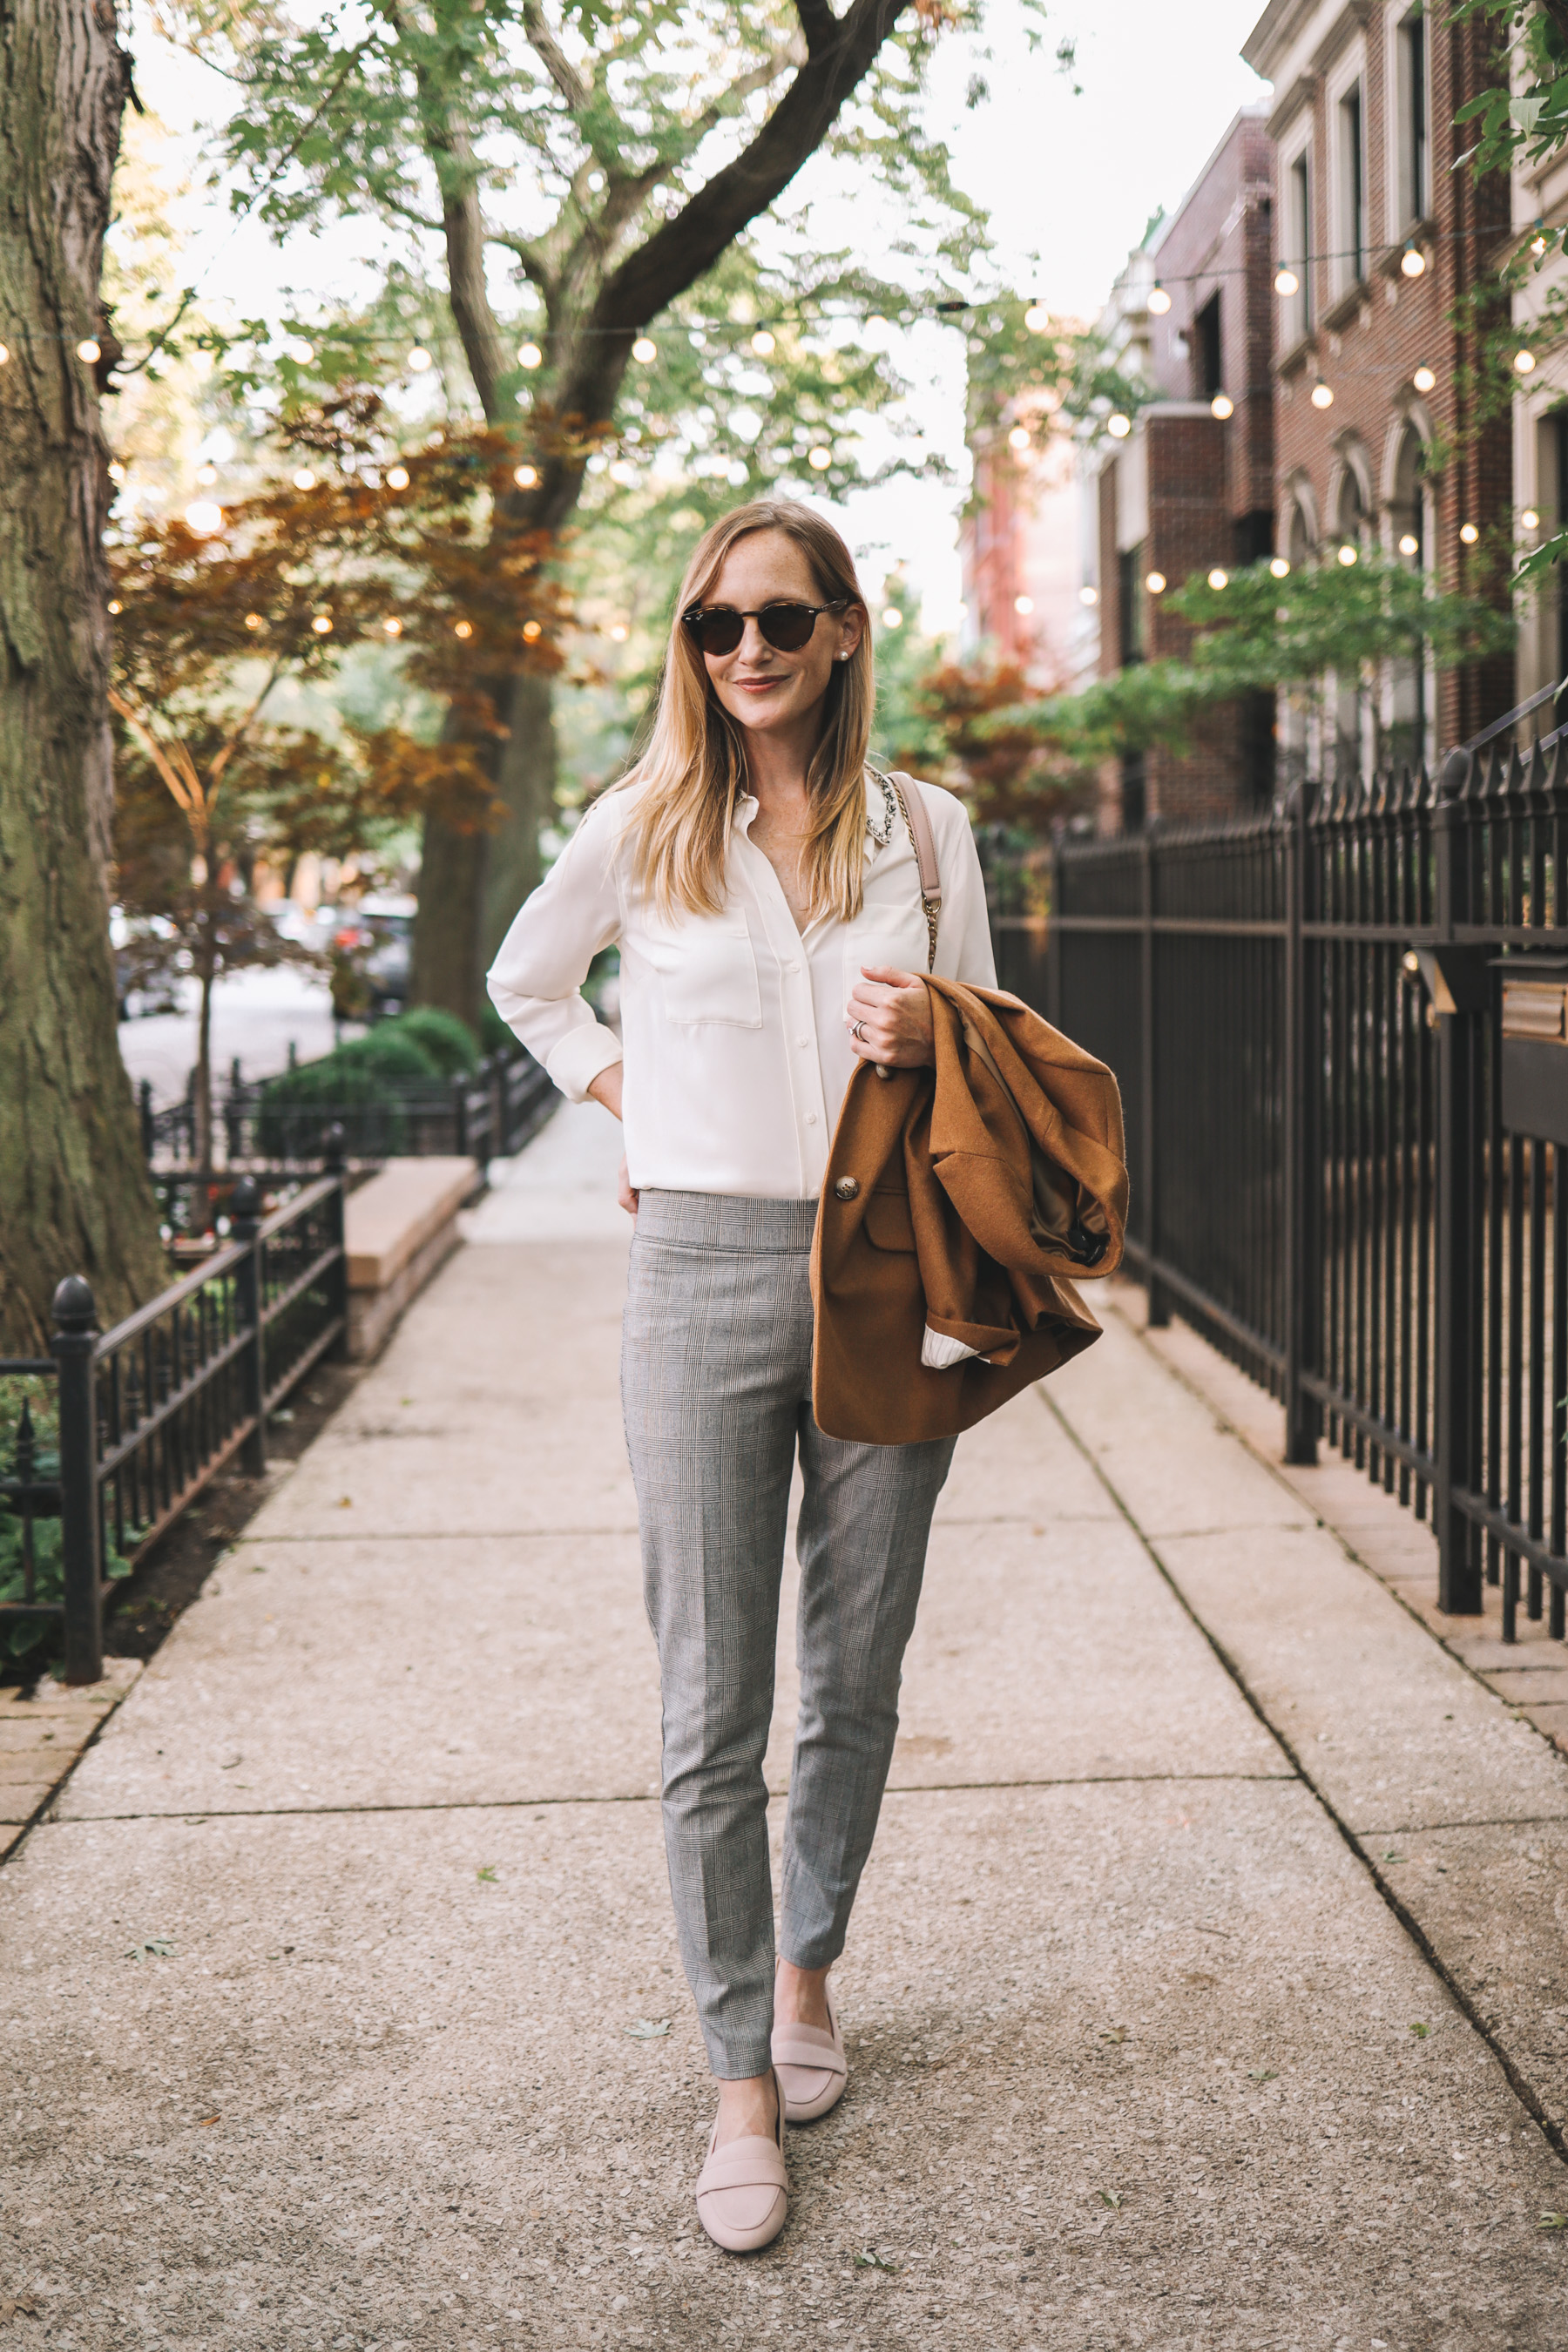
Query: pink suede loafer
743 2190
812 2066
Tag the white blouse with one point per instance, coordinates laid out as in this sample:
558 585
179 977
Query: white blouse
737 1052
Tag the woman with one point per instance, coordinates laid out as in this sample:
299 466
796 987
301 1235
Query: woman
763 888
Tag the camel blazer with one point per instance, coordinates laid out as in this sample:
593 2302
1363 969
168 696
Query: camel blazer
959 1203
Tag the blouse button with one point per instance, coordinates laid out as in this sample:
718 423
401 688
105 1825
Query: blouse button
811 1119
847 1188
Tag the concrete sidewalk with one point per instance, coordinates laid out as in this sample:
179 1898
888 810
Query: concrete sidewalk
343 2003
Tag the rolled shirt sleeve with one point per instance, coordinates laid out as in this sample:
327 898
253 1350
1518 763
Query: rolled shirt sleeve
536 980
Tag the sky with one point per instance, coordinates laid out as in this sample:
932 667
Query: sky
1071 179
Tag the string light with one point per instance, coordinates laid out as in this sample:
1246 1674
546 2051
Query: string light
301 353
1409 543
116 472
304 479
1538 245
595 181
1413 262
1155 583
253 621
893 618
819 459
531 630
462 629
1089 595
1218 579
398 477
1523 363
4 353
645 348
619 633
1468 533
393 626
90 350
1019 437
1036 318
1347 555
1118 425
1023 603
418 359
204 517
1159 301
877 324
1424 379
1322 395
1530 519
1286 282
322 625
531 356
526 478
207 474
1278 567
115 606
764 344
1222 405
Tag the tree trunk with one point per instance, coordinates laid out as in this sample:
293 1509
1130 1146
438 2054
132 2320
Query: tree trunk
447 970
527 785
203 1153
74 1193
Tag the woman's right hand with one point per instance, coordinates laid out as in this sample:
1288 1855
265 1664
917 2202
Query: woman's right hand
607 1090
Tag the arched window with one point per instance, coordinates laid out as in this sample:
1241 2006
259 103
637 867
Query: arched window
1354 750
1410 535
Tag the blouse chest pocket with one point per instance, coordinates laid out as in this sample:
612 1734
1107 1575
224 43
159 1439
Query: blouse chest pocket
893 936
707 970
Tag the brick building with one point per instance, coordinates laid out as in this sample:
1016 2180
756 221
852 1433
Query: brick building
1540 429
1385 238
1020 543
1191 487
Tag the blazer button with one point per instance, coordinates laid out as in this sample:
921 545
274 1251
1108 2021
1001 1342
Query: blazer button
847 1188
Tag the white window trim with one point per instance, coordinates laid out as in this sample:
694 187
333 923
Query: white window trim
1297 310
1350 70
1396 118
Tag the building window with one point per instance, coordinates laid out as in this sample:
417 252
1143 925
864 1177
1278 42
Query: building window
1298 252
1409 521
1134 646
1349 233
1209 363
1415 153
1558 421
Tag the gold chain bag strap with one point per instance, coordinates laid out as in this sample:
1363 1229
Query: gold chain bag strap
917 825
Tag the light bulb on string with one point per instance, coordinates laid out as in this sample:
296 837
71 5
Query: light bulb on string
4 353
392 625
418 359
1118 425
619 633
819 459
114 605
301 353
1286 281
1409 543
1024 605
464 629
1087 595
1036 318
764 344
891 617
116 472
1538 245
1413 262
1278 567
532 631
1523 363
1347 554
1155 583
1468 533
1218 579
1530 519
645 348
1159 301
253 621
1322 395
526 478
304 479
529 355
204 517
1424 379
90 350
322 625
1223 406
398 477
1019 437
207 476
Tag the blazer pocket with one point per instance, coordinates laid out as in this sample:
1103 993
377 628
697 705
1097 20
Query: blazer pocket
707 973
888 1224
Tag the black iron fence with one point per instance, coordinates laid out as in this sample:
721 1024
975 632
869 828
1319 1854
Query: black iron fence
1341 1034
131 1423
486 1114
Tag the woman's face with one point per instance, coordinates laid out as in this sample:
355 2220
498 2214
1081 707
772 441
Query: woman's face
761 688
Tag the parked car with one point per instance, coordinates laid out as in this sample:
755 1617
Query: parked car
148 977
377 937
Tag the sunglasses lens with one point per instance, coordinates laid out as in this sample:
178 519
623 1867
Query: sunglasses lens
786 627
717 633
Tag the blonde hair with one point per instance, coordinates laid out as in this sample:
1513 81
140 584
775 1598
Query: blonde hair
694 768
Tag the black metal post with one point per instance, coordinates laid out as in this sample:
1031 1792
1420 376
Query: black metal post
1157 1296
1053 936
460 1114
338 1274
1456 1387
249 1282
144 1103
1299 1146
72 1343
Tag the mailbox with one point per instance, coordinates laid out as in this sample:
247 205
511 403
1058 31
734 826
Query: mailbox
1535 1045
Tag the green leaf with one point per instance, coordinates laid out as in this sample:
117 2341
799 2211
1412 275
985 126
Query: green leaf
1421 2032
487 1875
157 1947
1112 2197
648 2029
870 2262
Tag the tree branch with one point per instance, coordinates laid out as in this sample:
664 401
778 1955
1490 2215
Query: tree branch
553 58
819 25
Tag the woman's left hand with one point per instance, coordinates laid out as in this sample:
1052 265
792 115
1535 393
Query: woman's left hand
888 1018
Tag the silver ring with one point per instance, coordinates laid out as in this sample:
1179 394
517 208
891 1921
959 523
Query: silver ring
856 1029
